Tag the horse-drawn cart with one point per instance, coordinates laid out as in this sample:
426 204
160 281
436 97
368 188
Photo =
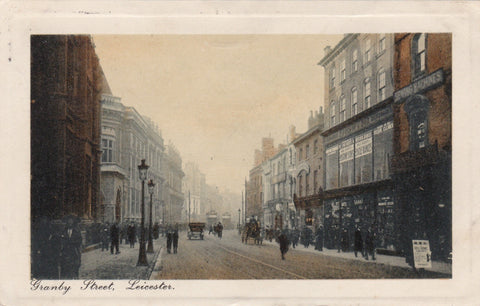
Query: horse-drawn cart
195 230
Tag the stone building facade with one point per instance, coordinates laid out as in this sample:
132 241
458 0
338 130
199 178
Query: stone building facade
307 175
127 138
358 140
422 161
194 184
65 127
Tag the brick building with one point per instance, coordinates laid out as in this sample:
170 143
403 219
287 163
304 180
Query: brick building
65 127
421 163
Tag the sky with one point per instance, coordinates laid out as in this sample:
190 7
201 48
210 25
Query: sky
216 96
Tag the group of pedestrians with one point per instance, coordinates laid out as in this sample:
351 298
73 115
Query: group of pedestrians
172 239
366 247
113 235
57 252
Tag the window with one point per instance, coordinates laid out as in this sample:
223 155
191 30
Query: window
418 54
381 43
307 184
332 113
367 94
315 183
300 185
342 71
290 155
368 50
417 112
342 108
315 146
332 77
300 155
381 85
307 150
107 149
354 101
355 61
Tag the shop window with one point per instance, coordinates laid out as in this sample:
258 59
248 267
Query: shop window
331 167
419 55
308 217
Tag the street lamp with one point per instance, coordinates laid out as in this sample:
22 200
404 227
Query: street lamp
142 255
239 219
151 186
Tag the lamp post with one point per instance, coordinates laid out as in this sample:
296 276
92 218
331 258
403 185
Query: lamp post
239 210
151 186
142 255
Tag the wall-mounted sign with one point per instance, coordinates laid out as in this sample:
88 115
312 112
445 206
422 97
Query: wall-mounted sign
421 85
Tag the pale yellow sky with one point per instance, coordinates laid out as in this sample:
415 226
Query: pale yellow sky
216 96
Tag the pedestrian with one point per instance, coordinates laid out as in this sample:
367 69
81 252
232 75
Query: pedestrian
114 236
370 244
358 244
155 230
131 231
45 249
319 238
71 253
105 235
175 239
283 241
169 239
344 240
219 230
210 230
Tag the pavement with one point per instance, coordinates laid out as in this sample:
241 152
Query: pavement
397 261
98 264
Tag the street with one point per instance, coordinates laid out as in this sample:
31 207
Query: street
228 258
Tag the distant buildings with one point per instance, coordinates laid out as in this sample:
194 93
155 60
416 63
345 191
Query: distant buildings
173 194
379 158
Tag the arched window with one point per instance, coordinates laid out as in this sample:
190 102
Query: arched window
416 108
419 46
354 101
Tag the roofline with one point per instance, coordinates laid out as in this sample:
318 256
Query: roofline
338 48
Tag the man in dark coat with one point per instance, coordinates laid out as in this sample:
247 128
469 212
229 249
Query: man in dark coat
71 252
105 235
219 230
175 239
319 239
131 233
45 250
370 244
283 241
358 247
114 236
169 239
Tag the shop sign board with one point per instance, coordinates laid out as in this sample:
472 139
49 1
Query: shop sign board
422 255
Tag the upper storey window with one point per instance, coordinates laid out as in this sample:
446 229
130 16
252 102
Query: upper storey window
368 51
419 54
381 43
332 113
342 71
381 85
355 61
368 96
332 77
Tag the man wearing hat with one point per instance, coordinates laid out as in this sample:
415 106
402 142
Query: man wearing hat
71 249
